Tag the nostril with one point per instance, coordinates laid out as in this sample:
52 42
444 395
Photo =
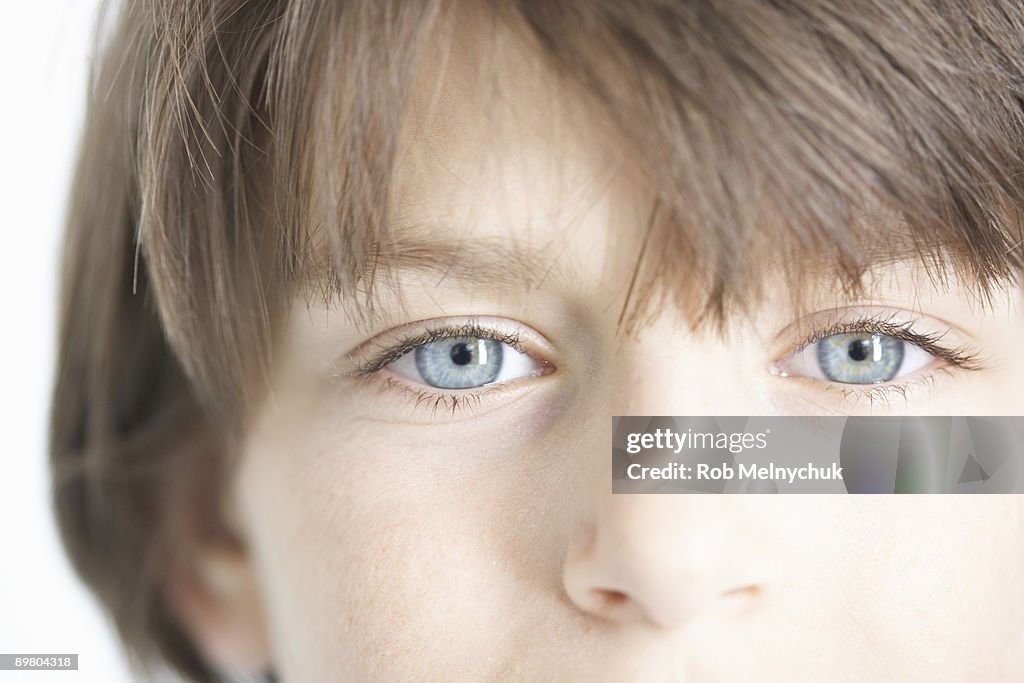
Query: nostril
750 591
741 598
604 598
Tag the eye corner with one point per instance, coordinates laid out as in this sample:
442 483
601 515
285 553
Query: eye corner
544 366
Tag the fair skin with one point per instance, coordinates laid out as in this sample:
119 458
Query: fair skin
394 533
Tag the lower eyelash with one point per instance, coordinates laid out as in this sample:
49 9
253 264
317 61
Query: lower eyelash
439 401
886 394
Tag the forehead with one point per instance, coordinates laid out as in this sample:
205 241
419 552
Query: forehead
494 153
501 154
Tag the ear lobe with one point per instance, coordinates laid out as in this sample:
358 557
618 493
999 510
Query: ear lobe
217 601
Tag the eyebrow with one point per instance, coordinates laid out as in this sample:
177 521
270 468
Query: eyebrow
502 264
509 264
494 262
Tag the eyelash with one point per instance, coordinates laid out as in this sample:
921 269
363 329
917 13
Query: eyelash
403 345
961 357
885 394
451 402
438 400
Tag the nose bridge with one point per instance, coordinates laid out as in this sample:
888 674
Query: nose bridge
650 541
656 525
664 368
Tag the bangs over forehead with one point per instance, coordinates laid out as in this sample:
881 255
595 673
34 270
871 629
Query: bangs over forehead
815 137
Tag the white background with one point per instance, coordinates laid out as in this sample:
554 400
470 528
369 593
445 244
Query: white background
45 54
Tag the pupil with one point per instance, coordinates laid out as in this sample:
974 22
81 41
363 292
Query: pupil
461 354
859 349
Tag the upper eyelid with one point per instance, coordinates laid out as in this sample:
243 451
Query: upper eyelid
403 345
902 331
899 323
815 326
395 343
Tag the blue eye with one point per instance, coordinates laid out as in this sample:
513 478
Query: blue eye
857 358
860 358
459 362
464 362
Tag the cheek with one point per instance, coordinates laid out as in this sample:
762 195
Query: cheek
995 391
902 587
922 567
385 550
373 538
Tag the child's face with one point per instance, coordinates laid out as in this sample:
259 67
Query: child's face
400 531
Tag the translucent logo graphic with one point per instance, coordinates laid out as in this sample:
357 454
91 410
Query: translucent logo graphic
932 454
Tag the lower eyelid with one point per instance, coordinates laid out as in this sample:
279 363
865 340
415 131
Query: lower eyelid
890 392
426 393
427 404
811 395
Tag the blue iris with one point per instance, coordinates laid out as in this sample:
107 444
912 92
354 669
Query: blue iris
860 357
459 362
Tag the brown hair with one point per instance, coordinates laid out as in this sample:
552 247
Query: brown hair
759 123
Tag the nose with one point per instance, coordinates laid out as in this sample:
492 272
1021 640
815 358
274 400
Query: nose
663 560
